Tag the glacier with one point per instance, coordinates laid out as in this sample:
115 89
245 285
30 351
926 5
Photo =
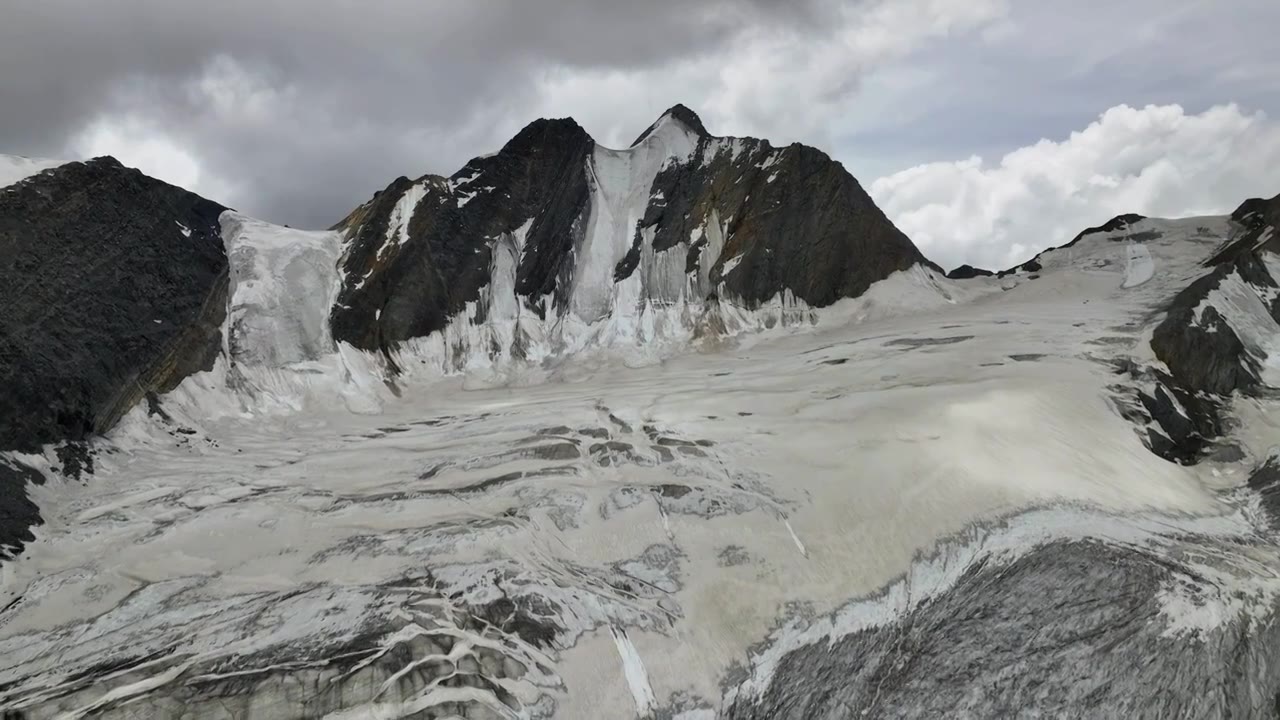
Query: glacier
681 430
650 506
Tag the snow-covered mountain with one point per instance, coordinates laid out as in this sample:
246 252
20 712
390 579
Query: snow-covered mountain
556 244
686 430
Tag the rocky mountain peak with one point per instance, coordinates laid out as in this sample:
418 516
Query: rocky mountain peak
543 136
554 226
681 115
114 288
1256 222
1258 212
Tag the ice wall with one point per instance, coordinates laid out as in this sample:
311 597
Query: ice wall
283 282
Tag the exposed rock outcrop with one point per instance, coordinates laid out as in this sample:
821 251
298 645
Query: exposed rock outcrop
966 272
1205 338
554 225
1256 221
114 285
1071 629
1216 335
1266 481
419 251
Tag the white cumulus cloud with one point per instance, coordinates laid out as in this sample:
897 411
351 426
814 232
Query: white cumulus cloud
1157 160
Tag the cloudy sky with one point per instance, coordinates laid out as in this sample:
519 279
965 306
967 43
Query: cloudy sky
987 129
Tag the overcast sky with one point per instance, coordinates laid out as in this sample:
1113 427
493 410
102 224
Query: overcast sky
987 129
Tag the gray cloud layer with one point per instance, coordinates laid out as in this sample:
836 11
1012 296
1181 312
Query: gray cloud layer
301 108
296 110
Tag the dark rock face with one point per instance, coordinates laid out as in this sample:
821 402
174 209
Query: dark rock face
395 291
1115 224
1207 355
114 285
965 272
799 222
1208 360
1032 265
17 513
1185 422
1266 481
795 221
1072 629
1258 212
1179 413
1257 223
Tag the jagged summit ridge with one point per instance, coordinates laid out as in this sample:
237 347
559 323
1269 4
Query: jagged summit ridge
571 243
679 114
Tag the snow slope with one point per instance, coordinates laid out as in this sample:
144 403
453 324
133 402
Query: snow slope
283 283
618 541
620 182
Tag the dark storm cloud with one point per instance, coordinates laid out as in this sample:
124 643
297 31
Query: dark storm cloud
306 107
